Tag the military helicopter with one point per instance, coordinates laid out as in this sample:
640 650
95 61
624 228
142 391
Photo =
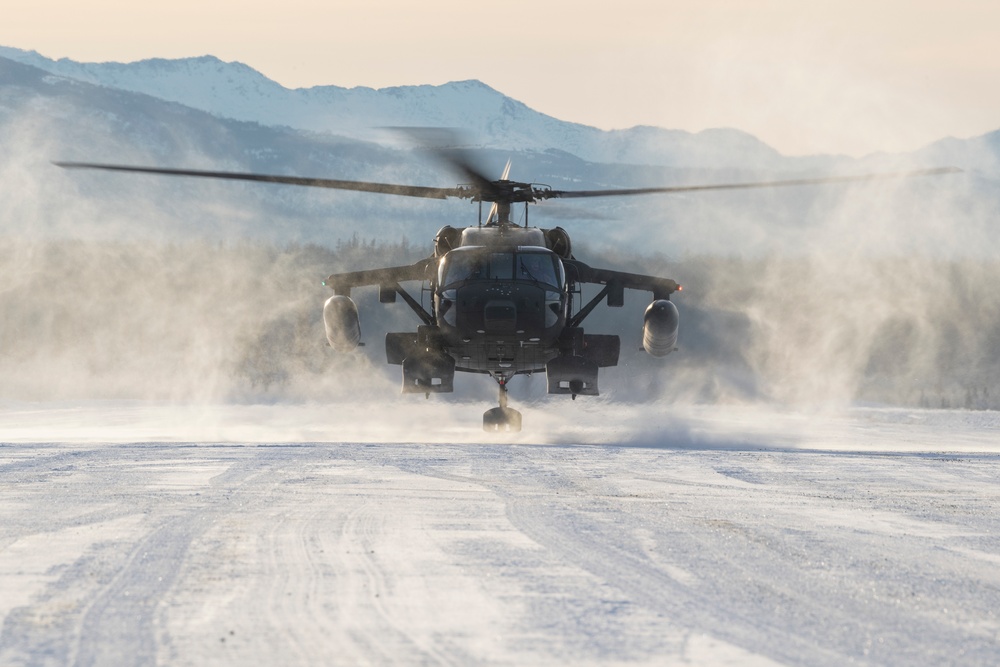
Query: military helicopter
506 298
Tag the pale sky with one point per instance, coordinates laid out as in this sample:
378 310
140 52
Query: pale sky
824 76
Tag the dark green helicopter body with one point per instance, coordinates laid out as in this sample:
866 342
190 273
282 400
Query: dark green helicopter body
503 305
503 295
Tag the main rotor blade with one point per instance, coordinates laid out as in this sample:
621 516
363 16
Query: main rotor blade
568 194
445 145
361 186
457 160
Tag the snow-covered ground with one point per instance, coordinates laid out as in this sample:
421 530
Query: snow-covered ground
401 534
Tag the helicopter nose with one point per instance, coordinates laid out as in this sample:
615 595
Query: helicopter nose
500 316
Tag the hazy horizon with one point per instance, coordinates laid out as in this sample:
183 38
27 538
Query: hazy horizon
838 78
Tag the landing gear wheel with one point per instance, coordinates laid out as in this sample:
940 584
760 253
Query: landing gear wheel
501 420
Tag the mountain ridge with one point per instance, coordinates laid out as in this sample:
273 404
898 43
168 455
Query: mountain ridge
490 118
47 116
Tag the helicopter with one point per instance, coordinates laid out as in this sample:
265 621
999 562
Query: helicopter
506 298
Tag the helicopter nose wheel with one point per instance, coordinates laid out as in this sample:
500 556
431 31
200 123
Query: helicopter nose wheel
502 419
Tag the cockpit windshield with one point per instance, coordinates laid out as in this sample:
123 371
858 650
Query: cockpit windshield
460 266
535 266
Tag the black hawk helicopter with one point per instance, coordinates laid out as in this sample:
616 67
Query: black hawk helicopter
502 294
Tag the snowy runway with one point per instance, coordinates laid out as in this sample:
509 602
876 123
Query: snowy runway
872 537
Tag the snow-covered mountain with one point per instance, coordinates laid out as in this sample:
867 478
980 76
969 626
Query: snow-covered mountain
203 113
490 118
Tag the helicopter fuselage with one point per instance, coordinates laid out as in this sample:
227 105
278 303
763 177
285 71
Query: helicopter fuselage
502 294
501 308
501 304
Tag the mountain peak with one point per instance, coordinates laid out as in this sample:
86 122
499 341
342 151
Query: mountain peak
493 119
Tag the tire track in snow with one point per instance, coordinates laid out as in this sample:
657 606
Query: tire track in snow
305 578
582 554
757 583
611 554
104 607
118 625
372 622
